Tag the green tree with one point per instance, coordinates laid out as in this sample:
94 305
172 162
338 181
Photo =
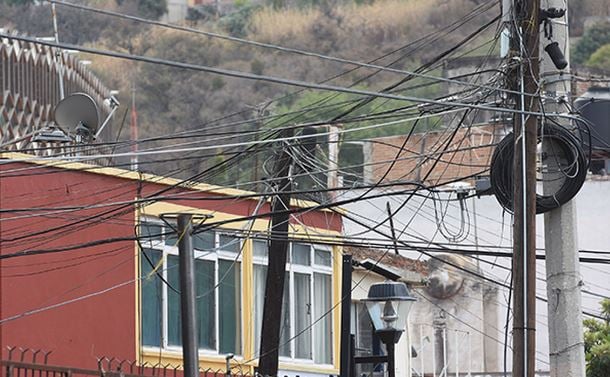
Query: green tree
597 343
152 8
597 36
17 2
600 59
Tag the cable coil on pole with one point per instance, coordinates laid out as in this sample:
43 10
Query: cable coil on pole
574 170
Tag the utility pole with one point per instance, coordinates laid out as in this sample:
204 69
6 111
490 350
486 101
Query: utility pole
60 71
276 267
134 128
563 281
190 349
525 43
332 179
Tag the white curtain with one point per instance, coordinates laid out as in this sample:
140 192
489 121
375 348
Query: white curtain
302 315
260 274
323 328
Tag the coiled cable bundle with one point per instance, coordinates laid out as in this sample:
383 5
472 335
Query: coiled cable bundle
572 167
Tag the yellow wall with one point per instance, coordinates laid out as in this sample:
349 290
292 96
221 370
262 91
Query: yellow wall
245 361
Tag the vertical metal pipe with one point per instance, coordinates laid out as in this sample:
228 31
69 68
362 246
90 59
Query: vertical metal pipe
60 70
390 346
444 352
352 356
346 302
434 351
421 349
457 355
187 296
469 354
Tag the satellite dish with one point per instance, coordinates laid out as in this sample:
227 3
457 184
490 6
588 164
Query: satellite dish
76 111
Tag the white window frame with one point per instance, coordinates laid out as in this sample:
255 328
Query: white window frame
293 268
213 255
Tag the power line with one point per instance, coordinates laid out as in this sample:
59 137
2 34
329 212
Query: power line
277 47
273 79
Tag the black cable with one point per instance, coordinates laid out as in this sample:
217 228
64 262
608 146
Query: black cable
501 172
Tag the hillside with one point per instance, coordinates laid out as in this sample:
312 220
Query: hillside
402 34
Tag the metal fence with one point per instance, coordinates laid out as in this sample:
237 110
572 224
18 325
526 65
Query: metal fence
29 82
23 362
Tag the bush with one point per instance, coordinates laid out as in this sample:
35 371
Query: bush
600 59
597 36
597 343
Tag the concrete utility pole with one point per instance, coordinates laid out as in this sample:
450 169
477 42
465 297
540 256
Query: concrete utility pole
190 349
563 281
333 160
276 266
525 44
134 128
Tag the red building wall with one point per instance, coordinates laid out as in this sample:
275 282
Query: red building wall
75 293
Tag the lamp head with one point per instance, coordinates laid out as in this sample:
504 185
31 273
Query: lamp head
388 304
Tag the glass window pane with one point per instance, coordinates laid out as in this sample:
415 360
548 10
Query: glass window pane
364 335
301 254
302 315
151 296
150 233
204 241
323 327
260 276
206 303
229 317
322 257
174 331
171 238
260 248
286 331
229 243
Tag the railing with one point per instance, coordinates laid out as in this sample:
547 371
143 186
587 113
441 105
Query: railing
35 363
29 82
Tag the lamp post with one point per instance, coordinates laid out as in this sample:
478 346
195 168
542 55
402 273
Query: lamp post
388 304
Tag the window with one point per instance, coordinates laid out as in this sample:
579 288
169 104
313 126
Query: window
307 301
367 343
218 289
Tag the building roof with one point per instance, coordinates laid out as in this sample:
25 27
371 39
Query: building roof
137 176
393 264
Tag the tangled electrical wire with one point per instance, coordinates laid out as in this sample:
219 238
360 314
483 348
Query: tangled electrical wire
463 231
559 143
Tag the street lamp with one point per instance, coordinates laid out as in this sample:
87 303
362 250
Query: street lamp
388 304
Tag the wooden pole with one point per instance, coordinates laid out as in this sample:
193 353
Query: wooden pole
524 239
276 269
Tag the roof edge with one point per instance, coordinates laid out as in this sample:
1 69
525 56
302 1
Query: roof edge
17 157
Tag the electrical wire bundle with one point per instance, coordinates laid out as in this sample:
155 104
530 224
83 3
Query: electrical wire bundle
574 170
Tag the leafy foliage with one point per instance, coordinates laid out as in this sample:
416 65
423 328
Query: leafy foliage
236 23
580 10
600 59
597 343
597 36
152 8
171 100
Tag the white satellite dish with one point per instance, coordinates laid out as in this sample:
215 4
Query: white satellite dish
76 111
